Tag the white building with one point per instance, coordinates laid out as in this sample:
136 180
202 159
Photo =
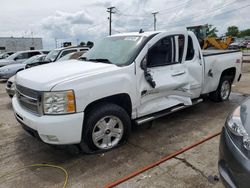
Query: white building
20 44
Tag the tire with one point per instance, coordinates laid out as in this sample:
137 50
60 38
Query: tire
106 127
223 91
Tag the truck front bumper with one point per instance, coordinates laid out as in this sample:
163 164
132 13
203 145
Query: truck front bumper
52 129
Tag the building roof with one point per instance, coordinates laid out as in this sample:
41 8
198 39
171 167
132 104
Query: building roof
20 37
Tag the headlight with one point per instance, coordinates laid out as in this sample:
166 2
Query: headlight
235 126
61 102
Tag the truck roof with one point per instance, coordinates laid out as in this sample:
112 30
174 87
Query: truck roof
69 47
147 33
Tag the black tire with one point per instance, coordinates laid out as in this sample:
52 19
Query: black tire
217 95
97 113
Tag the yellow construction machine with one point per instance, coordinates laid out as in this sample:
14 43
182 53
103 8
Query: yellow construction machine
206 41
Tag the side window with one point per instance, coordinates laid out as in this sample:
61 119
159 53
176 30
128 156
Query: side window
67 52
22 56
5 56
33 53
162 53
190 49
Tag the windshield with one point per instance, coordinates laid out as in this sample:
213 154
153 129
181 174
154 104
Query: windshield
66 57
52 55
30 60
118 50
13 56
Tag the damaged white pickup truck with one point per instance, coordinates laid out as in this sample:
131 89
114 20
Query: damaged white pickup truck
124 78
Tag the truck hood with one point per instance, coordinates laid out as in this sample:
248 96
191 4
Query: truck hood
45 77
4 62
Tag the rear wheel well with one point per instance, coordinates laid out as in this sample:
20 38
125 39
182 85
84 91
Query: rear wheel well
123 100
229 73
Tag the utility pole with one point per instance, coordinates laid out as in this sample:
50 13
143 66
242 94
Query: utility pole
110 11
154 14
56 42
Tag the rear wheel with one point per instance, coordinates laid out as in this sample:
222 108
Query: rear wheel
106 126
223 91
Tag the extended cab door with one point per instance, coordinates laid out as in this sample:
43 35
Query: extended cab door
165 81
195 65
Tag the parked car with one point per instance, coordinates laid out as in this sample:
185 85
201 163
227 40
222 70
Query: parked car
10 86
19 57
74 55
5 55
126 77
9 70
56 54
234 159
234 45
248 45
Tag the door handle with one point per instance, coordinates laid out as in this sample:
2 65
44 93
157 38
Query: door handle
178 73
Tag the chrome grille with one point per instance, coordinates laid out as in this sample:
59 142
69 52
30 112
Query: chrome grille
29 99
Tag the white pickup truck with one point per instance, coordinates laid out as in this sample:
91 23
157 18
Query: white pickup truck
124 78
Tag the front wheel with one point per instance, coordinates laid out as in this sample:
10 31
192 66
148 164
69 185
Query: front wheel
223 91
106 126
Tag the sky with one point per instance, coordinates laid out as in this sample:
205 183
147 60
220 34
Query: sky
82 20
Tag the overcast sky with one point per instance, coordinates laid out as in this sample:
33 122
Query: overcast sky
82 20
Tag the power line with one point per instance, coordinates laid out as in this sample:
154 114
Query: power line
173 8
192 16
181 22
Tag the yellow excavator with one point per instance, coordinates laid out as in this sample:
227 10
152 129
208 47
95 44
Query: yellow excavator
205 41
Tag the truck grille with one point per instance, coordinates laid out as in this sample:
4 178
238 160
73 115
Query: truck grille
29 99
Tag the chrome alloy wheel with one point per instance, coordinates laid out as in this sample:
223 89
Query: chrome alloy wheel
107 132
225 90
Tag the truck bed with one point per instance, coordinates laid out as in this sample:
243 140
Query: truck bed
215 62
217 52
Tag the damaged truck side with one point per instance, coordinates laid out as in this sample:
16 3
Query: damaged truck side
124 78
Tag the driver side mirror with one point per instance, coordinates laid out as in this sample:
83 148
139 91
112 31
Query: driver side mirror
144 63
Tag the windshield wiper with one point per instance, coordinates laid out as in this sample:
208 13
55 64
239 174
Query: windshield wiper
100 60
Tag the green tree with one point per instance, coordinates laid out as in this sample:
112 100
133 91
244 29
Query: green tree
82 44
232 31
244 33
211 31
90 44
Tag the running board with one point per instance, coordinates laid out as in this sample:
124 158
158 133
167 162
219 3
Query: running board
168 111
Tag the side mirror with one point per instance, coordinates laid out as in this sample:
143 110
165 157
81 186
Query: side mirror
144 63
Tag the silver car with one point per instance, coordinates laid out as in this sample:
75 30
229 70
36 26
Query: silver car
9 70
19 57
6 54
